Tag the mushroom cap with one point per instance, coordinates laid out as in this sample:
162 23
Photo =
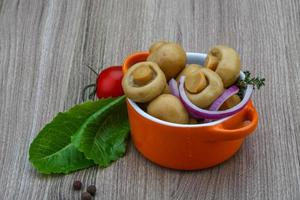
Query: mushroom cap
209 94
146 92
156 45
228 66
168 108
170 57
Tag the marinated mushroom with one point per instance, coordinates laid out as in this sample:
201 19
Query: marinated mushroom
143 82
225 61
203 96
231 102
170 57
168 108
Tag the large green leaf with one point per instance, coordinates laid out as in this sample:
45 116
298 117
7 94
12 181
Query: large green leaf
52 151
102 137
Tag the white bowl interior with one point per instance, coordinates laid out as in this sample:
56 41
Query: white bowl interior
192 58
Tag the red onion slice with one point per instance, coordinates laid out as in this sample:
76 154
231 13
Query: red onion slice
174 87
200 113
221 99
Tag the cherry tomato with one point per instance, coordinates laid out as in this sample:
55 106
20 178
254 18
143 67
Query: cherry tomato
109 82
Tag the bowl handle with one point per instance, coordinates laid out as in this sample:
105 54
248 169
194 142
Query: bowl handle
238 126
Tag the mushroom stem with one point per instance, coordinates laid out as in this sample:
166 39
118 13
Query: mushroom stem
211 62
195 83
142 75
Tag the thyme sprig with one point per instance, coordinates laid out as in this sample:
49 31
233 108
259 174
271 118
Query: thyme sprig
255 81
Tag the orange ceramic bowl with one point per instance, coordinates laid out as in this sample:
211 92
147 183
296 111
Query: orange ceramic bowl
188 147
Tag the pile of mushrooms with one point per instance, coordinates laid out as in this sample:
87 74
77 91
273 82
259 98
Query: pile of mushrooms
194 92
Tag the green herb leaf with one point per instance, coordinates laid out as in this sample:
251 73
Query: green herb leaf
255 81
52 151
102 137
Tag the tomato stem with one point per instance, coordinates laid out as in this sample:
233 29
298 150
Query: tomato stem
88 66
85 89
92 94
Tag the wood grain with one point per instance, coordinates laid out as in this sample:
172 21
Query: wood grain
44 46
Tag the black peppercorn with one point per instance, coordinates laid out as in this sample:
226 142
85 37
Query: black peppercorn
91 189
86 196
77 185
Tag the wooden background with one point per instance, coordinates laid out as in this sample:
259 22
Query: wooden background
44 46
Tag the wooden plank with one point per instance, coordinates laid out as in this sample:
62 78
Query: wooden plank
45 45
